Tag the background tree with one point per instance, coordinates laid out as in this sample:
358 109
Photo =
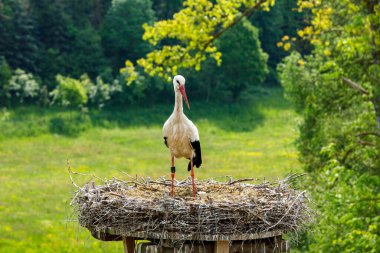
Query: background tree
336 90
274 25
165 9
194 28
243 67
54 38
97 36
19 44
70 44
5 76
85 53
83 13
122 31
243 60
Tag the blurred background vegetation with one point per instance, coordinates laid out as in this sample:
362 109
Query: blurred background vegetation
44 42
63 96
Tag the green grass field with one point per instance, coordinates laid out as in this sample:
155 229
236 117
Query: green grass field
254 139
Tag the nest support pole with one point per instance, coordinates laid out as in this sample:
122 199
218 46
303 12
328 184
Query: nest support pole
129 244
221 247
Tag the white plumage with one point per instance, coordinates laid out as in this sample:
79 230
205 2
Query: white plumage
180 134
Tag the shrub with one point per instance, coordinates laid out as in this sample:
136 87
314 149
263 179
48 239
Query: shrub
22 86
69 92
82 92
99 92
295 80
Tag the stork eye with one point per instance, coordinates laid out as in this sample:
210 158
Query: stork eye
177 81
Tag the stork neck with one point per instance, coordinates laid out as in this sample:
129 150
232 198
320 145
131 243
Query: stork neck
178 106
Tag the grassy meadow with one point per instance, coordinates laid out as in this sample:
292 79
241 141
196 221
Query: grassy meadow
251 139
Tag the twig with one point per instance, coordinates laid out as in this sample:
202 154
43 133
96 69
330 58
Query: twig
287 211
248 12
115 194
71 172
367 143
242 180
368 133
355 86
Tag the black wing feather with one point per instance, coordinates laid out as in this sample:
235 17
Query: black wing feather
166 141
197 160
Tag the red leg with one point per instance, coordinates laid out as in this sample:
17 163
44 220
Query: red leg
172 175
192 178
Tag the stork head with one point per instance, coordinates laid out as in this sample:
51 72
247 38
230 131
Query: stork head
179 86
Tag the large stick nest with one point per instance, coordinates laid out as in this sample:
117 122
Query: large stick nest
230 209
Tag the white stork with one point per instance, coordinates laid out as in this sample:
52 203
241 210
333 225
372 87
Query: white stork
181 135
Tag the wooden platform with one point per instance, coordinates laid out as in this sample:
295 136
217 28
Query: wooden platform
177 243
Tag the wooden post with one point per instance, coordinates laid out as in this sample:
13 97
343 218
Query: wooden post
129 244
221 247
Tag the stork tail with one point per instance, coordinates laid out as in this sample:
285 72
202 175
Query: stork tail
197 159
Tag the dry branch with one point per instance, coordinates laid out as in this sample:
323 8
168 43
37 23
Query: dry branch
355 86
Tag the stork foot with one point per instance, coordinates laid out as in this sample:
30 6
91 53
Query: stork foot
192 179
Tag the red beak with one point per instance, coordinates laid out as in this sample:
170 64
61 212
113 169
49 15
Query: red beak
183 92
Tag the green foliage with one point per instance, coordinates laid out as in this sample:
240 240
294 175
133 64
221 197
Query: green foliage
69 92
54 37
44 38
336 91
69 37
99 92
5 76
67 47
87 12
296 80
84 92
242 71
194 29
18 33
52 25
274 25
165 9
85 54
243 60
333 105
349 206
144 90
5 72
122 30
